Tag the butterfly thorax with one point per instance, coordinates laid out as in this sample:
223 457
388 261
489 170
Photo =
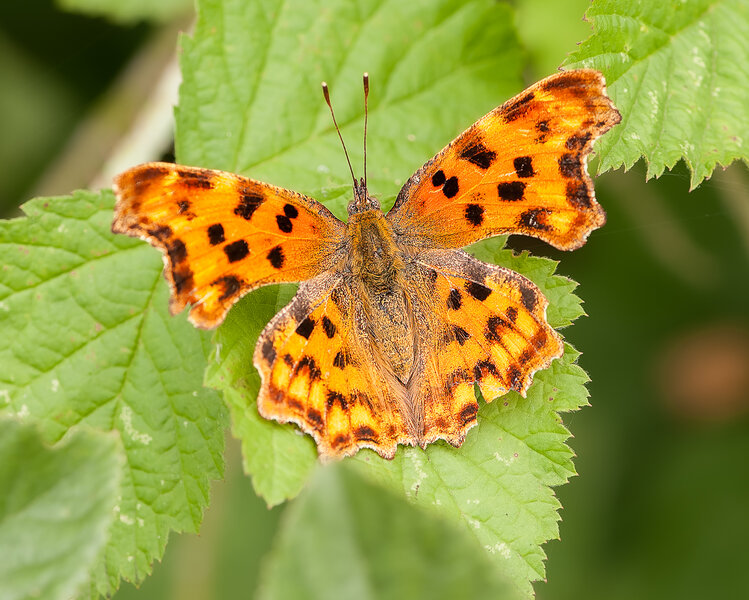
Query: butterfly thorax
377 267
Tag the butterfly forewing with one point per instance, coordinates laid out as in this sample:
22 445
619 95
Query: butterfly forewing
223 235
519 169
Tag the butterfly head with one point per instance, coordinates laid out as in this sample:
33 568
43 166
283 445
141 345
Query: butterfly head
362 201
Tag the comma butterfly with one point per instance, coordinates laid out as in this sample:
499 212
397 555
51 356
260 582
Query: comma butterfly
393 323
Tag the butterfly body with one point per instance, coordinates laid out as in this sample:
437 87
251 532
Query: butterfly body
393 324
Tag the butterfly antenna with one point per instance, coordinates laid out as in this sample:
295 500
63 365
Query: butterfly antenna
326 93
366 95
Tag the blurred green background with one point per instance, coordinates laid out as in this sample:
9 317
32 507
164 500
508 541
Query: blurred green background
659 508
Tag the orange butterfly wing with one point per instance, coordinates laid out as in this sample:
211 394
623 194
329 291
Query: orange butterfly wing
519 169
223 235
317 371
484 324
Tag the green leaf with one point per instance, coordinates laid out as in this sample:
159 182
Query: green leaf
55 509
278 457
677 72
346 538
129 11
252 104
85 338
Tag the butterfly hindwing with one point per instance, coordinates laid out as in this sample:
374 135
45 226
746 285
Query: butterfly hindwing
519 169
223 235
316 373
491 330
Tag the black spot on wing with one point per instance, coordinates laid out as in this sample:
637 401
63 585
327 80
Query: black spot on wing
305 328
236 250
515 109
308 363
528 296
512 314
340 440
479 155
162 232
183 206
183 278
248 204
578 195
332 398
438 178
478 291
365 434
483 367
341 359
460 334
290 211
511 191
268 351
216 234
542 127
468 413
539 340
570 166
315 418
524 166
450 189
230 286
284 223
276 257
199 178
474 214
177 251
454 299
534 218
578 141
328 327
514 377
495 327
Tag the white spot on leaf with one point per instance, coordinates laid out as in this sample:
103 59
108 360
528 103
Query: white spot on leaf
505 461
126 415
500 548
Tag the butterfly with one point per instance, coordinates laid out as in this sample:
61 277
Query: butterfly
393 324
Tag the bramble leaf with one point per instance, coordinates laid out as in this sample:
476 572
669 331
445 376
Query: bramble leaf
348 538
677 72
55 509
86 338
